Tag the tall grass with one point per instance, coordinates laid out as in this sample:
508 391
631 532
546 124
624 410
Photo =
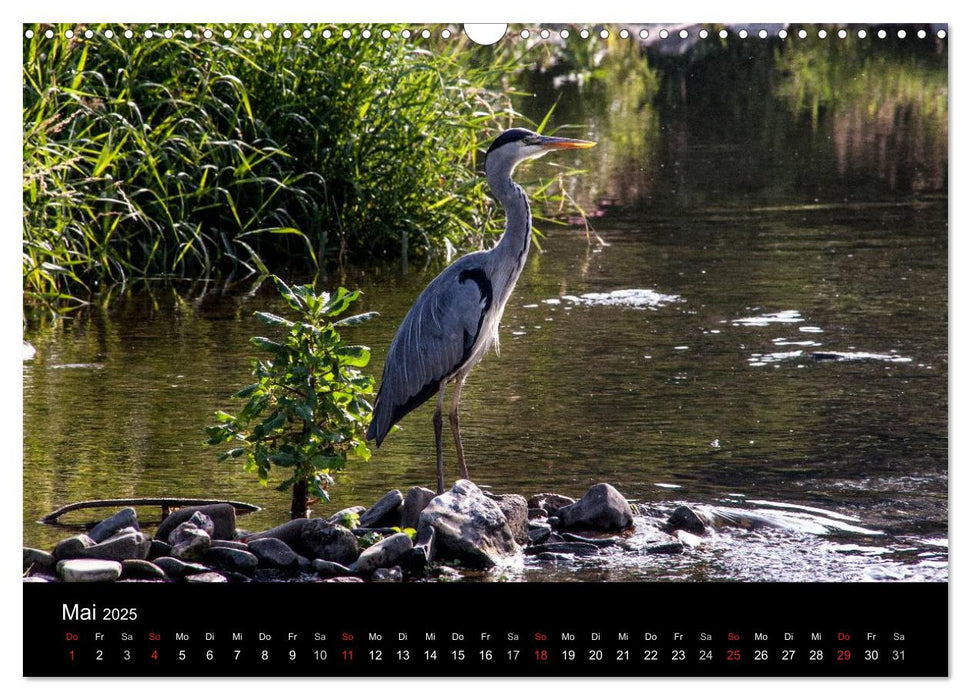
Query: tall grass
150 157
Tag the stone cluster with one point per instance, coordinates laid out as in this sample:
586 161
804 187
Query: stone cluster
411 536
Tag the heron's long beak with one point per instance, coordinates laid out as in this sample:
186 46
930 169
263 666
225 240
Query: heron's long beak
555 142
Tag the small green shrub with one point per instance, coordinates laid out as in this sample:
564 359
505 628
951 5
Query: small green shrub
308 409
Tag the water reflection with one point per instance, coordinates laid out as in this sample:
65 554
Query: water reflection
763 317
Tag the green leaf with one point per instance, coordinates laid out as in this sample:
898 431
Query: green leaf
340 302
356 320
355 355
273 319
266 344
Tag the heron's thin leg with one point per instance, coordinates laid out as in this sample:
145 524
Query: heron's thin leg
437 421
453 416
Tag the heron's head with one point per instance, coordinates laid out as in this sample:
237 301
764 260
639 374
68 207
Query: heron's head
513 146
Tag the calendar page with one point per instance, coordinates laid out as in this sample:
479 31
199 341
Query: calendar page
268 270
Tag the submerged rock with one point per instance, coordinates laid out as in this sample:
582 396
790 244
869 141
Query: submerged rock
385 513
466 525
688 520
601 508
125 517
88 570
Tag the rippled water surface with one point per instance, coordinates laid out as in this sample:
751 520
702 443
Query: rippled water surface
730 338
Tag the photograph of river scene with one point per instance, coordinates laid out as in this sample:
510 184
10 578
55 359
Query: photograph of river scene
724 358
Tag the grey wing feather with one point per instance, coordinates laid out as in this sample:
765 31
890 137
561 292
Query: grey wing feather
434 340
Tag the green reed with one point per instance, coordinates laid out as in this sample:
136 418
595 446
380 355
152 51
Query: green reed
182 158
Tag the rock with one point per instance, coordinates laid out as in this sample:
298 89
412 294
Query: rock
601 508
195 521
580 549
192 543
414 562
222 515
385 513
536 513
554 556
272 552
466 526
288 532
666 548
206 577
392 575
38 559
538 532
36 579
109 526
176 568
549 502
330 569
687 519
232 544
513 506
595 541
648 510
344 579
72 547
384 554
158 548
416 501
688 539
121 546
230 559
345 517
88 570
322 540
141 569
304 564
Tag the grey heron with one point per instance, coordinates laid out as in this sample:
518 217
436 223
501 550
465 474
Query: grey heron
455 320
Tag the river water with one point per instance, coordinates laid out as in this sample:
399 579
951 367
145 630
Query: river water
758 323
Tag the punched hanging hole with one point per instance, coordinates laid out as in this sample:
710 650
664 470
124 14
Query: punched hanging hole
485 34
643 34
306 33
267 33
366 33
148 34
604 34
742 34
247 34
841 33
49 34
287 34
861 33
406 33
425 34
109 33
901 34
783 33
663 34
565 34
882 34
187 33
446 34
545 34
68 33
803 34
584 34
763 34
683 34
386 34
921 34
327 34
227 34
524 34
346 33
624 33
821 34
88 34
941 34
167 34
723 34
129 33
207 34
703 34
29 34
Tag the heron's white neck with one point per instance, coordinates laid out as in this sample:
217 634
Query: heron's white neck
509 254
